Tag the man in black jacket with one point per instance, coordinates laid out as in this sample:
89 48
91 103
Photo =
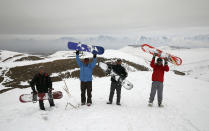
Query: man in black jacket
115 84
43 84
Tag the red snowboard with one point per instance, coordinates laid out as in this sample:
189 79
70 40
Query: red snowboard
40 96
172 59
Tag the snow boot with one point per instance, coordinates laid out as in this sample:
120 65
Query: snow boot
42 109
118 103
51 105
88 104
150 104
109 102
160 105
51 102
41 105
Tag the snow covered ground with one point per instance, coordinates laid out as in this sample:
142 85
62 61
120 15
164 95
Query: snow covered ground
185 99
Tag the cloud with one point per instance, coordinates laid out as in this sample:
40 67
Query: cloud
96 16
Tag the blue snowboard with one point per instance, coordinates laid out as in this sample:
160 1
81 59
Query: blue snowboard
88 48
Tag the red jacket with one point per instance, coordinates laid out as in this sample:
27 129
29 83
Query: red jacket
158 71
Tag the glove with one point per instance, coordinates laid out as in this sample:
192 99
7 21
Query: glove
108 71
94 55
154 55
34 92
121 78
77 52
113 77
166 61
50 90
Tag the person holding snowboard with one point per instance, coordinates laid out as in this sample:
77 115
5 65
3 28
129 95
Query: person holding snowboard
86 69
116 85
157 79
43 84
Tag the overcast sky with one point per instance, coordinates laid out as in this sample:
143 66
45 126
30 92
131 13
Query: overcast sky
99 16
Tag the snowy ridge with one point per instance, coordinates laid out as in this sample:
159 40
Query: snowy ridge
6 55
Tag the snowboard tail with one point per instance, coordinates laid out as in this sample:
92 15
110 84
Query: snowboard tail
171 58
24 98
87 48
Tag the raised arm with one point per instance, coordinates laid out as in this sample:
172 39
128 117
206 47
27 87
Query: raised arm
152 64
78 59
166 67
93 63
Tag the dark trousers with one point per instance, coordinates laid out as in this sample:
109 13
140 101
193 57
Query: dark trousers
41 103
86 86
156 87
115 86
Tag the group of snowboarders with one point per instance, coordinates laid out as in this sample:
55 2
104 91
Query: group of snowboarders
43 82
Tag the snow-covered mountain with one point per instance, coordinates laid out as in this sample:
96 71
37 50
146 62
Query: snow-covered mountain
53 43
185 97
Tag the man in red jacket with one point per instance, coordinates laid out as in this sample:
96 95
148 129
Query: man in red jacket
157 79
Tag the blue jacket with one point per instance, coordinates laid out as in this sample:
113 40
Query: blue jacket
86 70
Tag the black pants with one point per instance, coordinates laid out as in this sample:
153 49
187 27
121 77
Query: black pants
86 86
115 86
41 103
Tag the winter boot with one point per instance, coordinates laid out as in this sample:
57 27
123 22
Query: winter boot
51 102
51 105
160 105
41 105
109 102
150 104
118 103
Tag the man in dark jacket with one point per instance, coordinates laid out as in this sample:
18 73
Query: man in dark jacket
86 69
43 84
157 79
116 85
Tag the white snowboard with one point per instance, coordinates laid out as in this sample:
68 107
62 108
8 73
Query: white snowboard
125 83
